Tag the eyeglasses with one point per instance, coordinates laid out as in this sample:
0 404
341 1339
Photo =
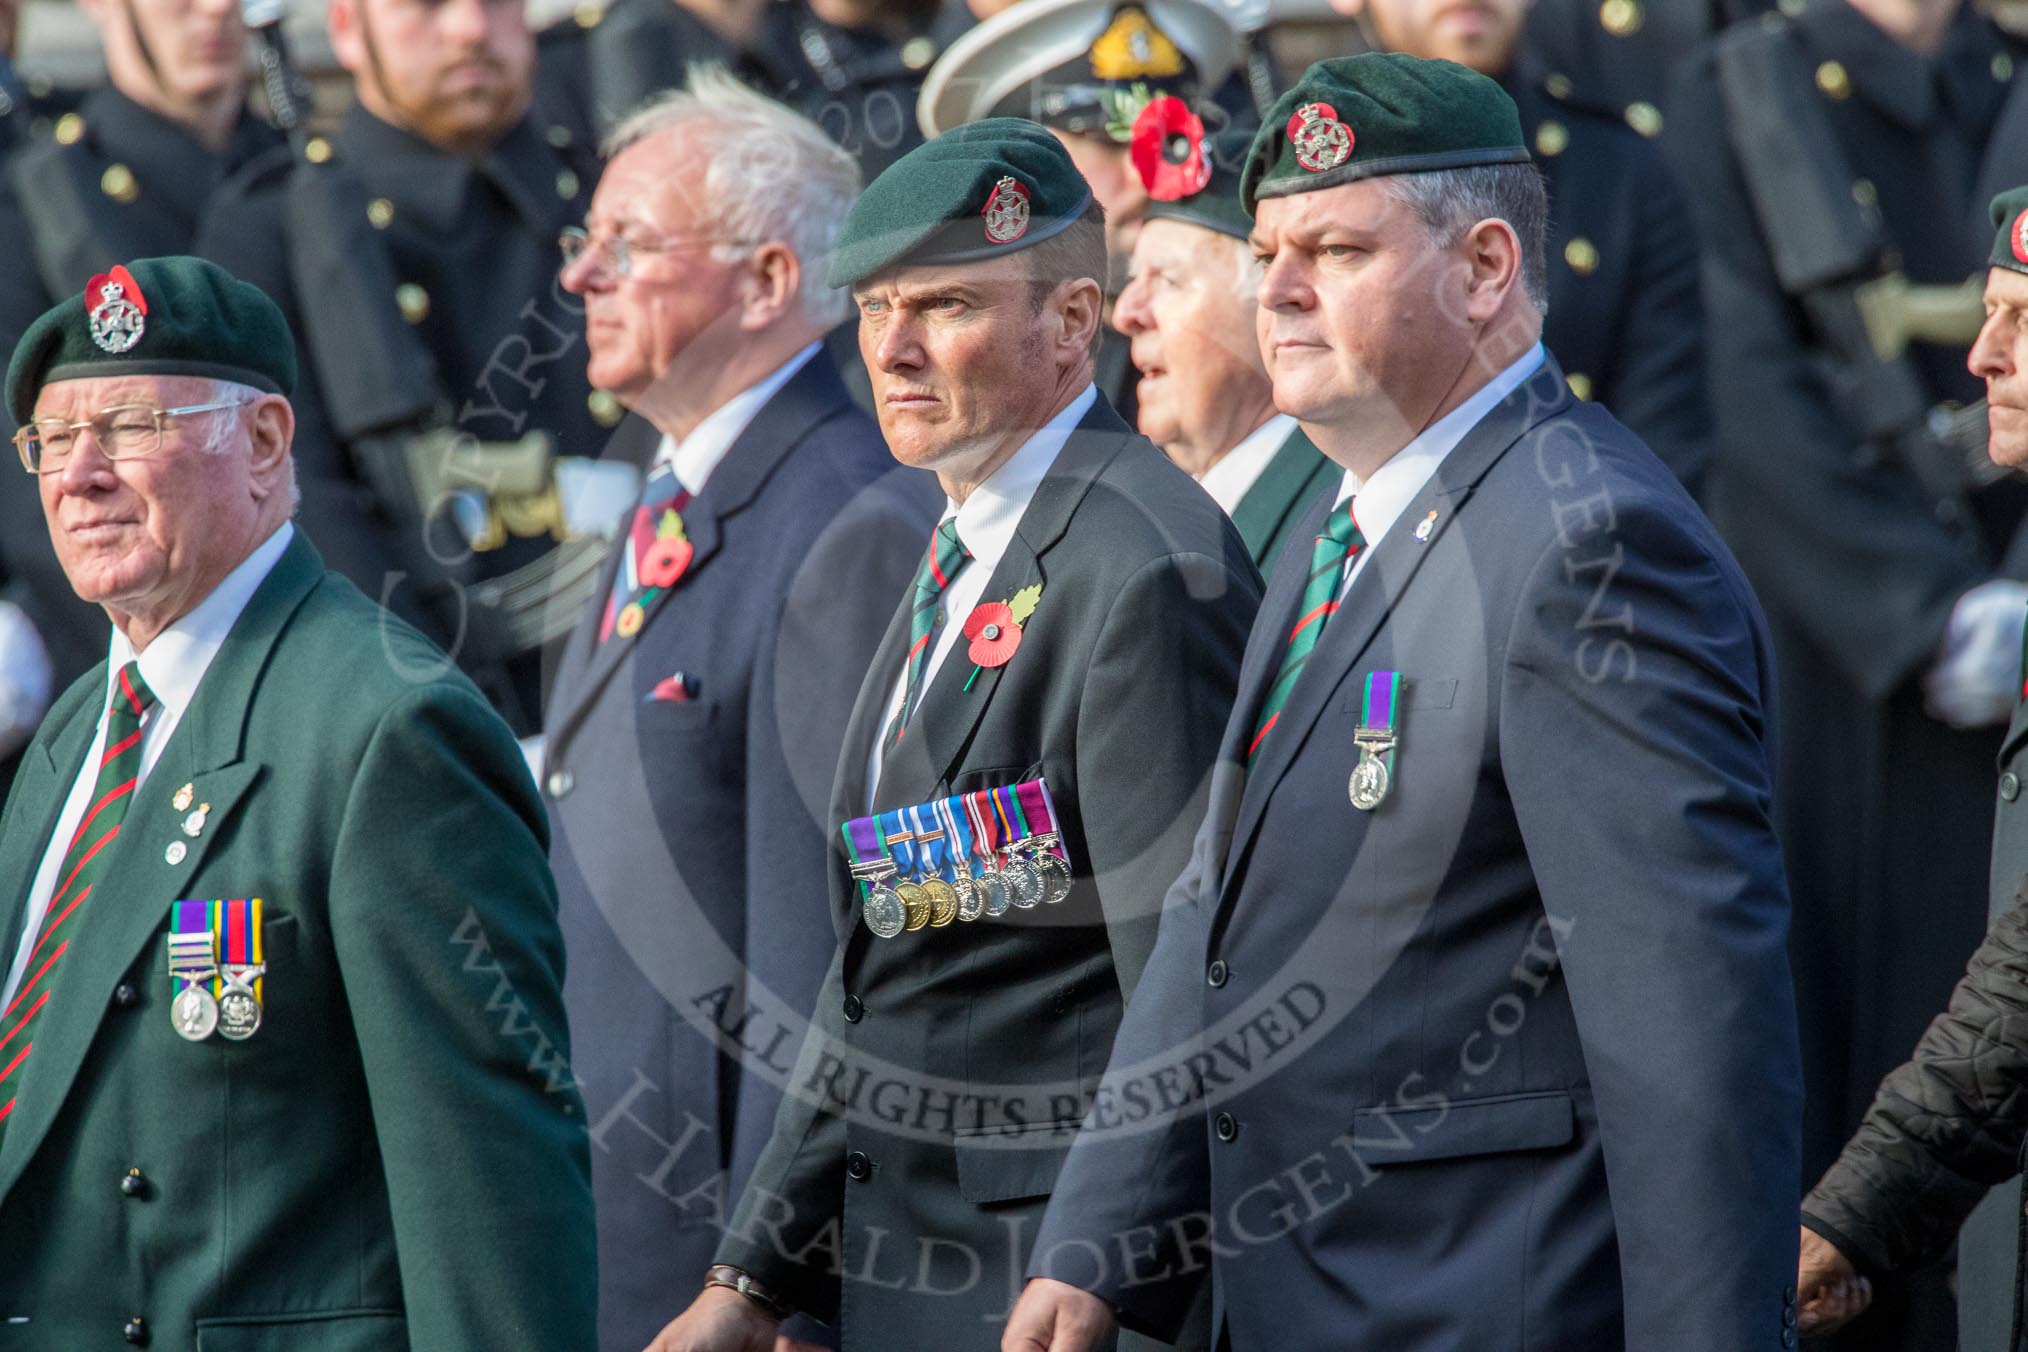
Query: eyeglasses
122 432
574 242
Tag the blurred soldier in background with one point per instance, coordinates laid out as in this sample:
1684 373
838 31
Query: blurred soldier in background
701 701
1086 69
606 59
1189 310
1624 319
125 175
1831 160
1621 54
415 256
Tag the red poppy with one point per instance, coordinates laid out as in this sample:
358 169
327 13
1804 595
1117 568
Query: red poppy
1167 146
994 634
665 561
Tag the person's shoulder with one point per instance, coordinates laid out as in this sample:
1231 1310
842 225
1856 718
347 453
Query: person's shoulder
1141 507
256 187
362 660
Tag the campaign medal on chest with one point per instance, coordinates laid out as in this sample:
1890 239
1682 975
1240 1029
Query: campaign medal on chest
1376 739
217 968
880 905
193 1011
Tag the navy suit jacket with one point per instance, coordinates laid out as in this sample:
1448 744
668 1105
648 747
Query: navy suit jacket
1510 1061
690 834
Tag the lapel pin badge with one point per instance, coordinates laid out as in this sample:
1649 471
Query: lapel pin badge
176 853
185 796
193 825
1424 527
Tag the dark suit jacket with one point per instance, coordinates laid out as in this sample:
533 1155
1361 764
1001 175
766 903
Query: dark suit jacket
690 848
947 1068
396 1158
1509 1062
1280 497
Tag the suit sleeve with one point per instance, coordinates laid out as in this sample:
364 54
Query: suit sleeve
1634 736
444 922
1156 698
1659 388
1945 1126
1845 549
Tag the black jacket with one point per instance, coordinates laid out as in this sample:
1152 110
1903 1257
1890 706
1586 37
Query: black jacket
1946 1125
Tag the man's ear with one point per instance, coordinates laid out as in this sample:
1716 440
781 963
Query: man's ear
1493 251
1078 305
271 431
348 44
771 283
1351 9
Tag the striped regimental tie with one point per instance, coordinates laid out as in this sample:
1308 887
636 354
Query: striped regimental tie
945 559
119 770
1340 541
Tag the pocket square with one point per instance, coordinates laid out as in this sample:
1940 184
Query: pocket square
677 689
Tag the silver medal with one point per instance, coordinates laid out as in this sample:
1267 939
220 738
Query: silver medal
1024 884
993 891
239 1014
885 915
971 902
193 1013
1370 780
1049 867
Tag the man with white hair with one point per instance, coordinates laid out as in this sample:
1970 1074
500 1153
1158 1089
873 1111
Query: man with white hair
282 1045
698 711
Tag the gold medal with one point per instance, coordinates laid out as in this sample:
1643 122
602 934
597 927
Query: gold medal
916 903
943 902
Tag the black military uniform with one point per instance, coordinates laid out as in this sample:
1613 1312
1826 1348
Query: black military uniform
114 181
859 84
1625 320
1621 54
1885 810
606 60
388 254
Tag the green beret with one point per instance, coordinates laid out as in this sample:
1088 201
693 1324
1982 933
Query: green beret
1217 160
176 316
974 193
1081 66
1377 113
2010 219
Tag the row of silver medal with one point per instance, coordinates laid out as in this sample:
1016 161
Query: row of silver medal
928 902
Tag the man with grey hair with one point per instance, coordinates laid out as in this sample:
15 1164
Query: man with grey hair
698 709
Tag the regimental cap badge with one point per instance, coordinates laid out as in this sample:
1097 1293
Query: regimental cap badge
117 309
2019 235
1133 48
1006 211
1320 140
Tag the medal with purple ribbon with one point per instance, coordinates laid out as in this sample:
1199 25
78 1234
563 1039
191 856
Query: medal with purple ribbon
1376 739
193 962
1045 840
879 905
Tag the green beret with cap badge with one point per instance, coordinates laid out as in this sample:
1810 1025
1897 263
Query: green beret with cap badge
2010 221
1378 113
1170 158
975 193
174 316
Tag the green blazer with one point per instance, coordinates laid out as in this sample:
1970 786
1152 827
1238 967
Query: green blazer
397 1157
1290 483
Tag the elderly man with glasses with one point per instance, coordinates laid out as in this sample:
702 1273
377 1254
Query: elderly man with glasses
282 1043
700 705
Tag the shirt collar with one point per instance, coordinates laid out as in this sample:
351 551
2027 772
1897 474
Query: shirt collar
1233 475
989 517
178 658
697 455
1386 494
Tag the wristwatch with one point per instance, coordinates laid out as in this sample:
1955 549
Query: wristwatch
734 1279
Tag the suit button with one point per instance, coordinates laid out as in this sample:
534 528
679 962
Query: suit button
1218 973
561 782
1789 1295
1788 1316
858 1166
125 996
854 1009
1226 1126
136 1331
2010 786
1788 1337
134 1183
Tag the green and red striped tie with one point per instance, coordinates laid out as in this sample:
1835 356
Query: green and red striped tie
944 560
119 770
1340 541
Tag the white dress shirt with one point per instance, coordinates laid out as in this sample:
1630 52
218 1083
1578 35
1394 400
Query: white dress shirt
698 454
172 666
1385 496
1239 469
986 524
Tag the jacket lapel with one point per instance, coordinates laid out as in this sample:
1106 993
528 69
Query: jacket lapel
41 785
206 751
942 727
1381 583
1280 494
810 395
